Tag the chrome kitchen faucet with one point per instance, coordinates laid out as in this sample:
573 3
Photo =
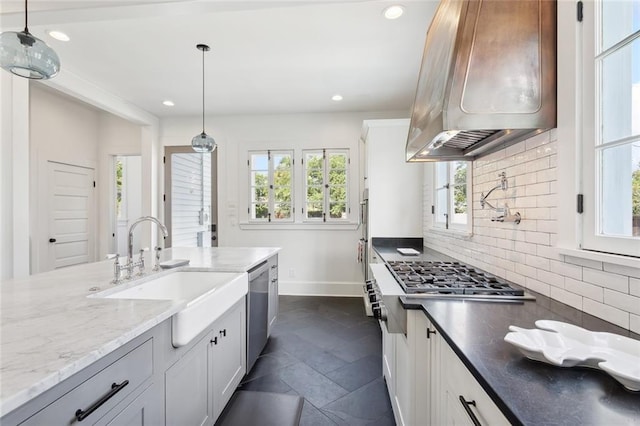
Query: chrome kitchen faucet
130 264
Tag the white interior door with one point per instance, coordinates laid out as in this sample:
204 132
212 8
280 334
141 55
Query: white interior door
70 208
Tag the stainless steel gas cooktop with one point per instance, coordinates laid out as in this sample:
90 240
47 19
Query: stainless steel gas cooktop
424 278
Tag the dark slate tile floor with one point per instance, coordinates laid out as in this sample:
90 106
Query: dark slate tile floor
328 351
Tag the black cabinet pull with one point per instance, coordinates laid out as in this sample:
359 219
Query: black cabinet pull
115 388
430 332
223 333
466 405
52 240
214 340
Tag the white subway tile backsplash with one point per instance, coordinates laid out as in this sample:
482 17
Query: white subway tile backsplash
566 269
566 297
538 286
607 280
544 213
547 175
611 314
634 323
548 200
527 248
550 226
551 278
526 254
548 252
515 277
621 269
537 262
537 237
591 291
535 165
622 301
634 286
537 140
527 271
542 188
514 149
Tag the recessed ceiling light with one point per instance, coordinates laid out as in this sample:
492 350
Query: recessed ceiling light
393 12
168 103
58 35
336 98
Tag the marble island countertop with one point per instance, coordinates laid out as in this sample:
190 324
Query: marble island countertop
50 329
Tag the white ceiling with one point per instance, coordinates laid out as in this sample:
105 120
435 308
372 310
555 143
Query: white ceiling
266 56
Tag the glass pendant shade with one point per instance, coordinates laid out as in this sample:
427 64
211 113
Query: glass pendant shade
27 56
203 143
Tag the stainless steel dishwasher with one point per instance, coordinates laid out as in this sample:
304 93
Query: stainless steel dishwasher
258 310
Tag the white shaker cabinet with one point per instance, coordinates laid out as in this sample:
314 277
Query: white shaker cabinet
229 354
201 382
464 402
428 383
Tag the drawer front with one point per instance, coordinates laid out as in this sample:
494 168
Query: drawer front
134 367
462 389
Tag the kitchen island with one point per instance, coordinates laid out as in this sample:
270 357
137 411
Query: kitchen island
50 330
525 391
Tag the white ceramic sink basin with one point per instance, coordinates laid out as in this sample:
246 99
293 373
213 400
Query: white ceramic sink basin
206 295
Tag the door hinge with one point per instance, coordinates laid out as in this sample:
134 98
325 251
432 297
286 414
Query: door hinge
164 197
433 209
580 13
94 183
580 203
249 210
164 160
248 164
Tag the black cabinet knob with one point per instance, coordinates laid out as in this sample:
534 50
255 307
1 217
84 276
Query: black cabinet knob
52 240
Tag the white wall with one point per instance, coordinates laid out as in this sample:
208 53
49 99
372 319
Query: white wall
49 126
14 177
64 131
312 261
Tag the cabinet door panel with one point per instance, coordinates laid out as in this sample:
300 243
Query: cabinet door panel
188 388
229 355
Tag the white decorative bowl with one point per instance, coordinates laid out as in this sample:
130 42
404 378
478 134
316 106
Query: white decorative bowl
567 345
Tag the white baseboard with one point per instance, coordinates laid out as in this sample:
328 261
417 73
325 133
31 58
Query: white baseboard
313 288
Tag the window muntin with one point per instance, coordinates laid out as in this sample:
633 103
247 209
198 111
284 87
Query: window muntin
326 185
612 127
451 203
271 186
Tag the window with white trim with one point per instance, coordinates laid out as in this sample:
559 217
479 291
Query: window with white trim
451 187
270 186
611 126
326 174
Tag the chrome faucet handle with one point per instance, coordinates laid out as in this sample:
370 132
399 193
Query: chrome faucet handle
117 270
141 261
156 267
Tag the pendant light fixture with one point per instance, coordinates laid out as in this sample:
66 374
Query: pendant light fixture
27 56
203 142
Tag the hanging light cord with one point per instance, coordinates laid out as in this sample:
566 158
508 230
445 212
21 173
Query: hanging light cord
26 15
203 50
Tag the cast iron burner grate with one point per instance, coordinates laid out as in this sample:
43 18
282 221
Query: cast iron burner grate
424 277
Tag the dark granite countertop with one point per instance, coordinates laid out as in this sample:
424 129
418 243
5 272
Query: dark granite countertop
528 392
